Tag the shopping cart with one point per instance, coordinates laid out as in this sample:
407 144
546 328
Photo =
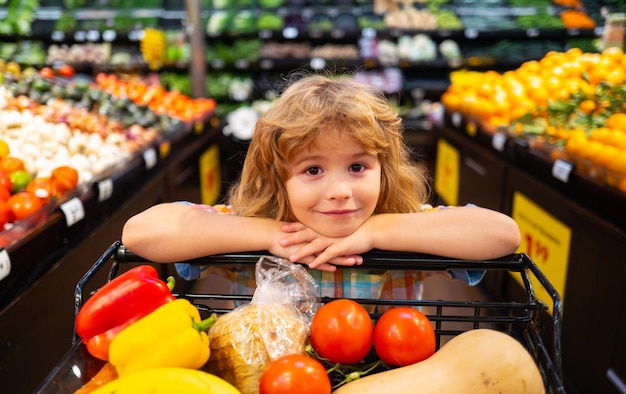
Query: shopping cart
527 320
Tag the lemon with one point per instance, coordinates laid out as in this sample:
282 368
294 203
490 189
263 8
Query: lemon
4 149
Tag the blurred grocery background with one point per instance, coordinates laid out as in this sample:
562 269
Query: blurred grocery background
109 106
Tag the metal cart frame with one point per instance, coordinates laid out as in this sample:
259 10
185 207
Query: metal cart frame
528 320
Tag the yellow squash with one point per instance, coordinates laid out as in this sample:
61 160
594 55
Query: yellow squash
168 381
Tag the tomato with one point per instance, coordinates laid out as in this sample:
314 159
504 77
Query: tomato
342 331
5 181
295 373
22 205
65 178
46 72
43 188
403 336
66 71
5 214
11 163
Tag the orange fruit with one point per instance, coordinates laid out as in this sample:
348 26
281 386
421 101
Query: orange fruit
10 164
65 178
616 121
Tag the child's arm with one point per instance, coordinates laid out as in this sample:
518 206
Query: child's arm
461 232
171 232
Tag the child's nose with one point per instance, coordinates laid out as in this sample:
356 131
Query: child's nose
339 190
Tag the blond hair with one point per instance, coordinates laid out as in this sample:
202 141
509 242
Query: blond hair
300 118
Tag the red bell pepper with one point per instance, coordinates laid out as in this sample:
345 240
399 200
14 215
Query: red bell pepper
119 303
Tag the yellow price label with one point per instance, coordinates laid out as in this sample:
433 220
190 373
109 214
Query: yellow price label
447 167
546 240
210 178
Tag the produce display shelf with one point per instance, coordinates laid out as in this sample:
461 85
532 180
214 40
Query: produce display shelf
527 321
597 197
37 242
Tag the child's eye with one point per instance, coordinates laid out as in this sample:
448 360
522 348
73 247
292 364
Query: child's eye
357 167
313 171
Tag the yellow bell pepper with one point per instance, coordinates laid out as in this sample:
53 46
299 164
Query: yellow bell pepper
171 336
168 381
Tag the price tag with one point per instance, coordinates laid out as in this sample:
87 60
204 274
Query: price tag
105 189
317 63
471 33
109 35
447 172
150 158
471 129
498 141
532 32
80 35
93 35
266 64
290 33
265 34
73 210
456 119
5 264
57 36
562 169
573 32
546 240
218 63
337 33
242 63
368 32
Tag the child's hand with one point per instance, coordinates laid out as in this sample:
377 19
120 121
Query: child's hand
312 248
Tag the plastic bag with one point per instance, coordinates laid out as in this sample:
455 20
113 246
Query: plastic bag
276 322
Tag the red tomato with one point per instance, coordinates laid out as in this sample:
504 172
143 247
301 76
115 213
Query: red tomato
295 373
404 336
23 204
5 214
342 331
66 71
46 72
5 181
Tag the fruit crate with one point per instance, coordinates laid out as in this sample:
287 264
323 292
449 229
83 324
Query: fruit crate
527 320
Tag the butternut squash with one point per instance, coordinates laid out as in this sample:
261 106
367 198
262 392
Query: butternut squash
477 361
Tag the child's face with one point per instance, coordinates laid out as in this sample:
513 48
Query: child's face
334 189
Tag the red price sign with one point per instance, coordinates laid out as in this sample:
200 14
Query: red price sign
546 240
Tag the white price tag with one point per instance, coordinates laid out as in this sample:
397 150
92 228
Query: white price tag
368 32
105 189
318 63
471 33
73 210
150 158
57 36
109 35
290 33
456 119
561 170
80 35
93 35
498 141
532 32
5 264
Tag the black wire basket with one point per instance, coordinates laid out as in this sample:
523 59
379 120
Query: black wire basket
528 320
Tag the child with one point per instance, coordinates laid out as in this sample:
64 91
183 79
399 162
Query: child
327 177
